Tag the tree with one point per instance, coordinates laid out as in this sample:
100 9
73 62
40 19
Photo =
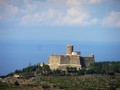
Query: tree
71 70
45 69
26 74
82 71
18 71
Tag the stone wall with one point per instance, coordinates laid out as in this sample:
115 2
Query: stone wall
65 60
75 60
87 60
61 62
55 59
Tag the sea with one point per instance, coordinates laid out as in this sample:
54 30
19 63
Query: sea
19 54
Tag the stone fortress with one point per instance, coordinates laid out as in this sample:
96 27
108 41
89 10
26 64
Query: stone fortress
71 59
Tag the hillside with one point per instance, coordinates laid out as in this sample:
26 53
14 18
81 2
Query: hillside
99 75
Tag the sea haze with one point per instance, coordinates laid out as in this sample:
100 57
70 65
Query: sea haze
18 54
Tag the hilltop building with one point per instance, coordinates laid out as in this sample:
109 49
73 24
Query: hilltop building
71 59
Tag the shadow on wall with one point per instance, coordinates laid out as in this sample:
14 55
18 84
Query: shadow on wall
82 62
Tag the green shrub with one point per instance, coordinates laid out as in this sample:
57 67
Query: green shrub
16 83
45 86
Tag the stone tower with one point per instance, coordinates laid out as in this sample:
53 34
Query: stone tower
69 50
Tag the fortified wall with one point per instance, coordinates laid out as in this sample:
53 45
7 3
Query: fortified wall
71 59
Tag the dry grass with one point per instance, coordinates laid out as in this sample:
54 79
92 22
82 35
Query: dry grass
88 82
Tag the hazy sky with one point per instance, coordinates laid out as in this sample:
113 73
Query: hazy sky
76 20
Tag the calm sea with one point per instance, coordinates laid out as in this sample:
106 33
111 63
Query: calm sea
18 54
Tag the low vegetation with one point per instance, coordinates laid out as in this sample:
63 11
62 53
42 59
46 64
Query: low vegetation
87 82
98 76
